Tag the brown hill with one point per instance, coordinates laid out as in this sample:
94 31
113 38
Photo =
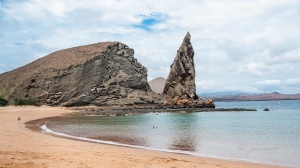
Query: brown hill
157 84
100 74
254 97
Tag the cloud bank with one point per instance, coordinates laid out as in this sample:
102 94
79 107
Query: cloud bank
251 46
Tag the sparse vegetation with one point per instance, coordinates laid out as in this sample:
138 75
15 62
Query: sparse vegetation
26 101
3 102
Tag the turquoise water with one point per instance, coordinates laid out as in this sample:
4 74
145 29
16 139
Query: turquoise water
268 137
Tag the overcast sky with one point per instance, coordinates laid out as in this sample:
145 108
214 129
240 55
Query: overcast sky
240 45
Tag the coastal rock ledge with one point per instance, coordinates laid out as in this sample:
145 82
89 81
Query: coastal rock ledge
101 74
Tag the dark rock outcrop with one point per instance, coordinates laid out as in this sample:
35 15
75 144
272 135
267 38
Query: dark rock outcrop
100 74
180 88
181 79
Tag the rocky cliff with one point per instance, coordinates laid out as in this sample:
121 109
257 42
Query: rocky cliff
180 88
100 74
181 79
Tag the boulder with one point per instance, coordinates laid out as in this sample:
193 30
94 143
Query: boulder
175 100
208 103
182 102
101 74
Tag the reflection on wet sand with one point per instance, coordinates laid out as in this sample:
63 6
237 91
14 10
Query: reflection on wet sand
184 143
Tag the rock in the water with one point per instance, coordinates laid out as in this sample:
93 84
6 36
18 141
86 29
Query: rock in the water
181 79
101 74
208 103
180 88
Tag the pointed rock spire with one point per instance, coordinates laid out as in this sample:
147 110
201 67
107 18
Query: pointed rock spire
181 79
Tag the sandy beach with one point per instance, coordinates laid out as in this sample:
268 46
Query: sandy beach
21 147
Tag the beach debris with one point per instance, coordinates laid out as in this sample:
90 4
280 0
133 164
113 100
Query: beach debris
19 118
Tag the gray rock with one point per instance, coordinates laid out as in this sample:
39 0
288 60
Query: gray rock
181 79
101 74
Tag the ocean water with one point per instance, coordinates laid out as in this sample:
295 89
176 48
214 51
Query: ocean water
265 137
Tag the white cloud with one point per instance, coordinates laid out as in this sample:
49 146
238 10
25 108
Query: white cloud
253 68
269 82
286 85
236 43
290 56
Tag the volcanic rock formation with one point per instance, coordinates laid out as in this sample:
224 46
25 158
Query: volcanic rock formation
180 88
181 79
100 74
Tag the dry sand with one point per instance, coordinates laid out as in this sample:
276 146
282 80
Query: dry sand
21 147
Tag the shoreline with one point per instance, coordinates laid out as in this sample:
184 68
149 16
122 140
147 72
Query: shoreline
133 110
22 146
42 123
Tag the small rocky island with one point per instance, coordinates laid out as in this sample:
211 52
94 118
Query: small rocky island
180 87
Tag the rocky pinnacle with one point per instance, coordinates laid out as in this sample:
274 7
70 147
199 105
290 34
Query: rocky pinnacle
181 79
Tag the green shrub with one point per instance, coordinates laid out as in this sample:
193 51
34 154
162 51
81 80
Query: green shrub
26 101
3 102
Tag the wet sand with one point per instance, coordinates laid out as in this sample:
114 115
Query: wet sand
21 147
